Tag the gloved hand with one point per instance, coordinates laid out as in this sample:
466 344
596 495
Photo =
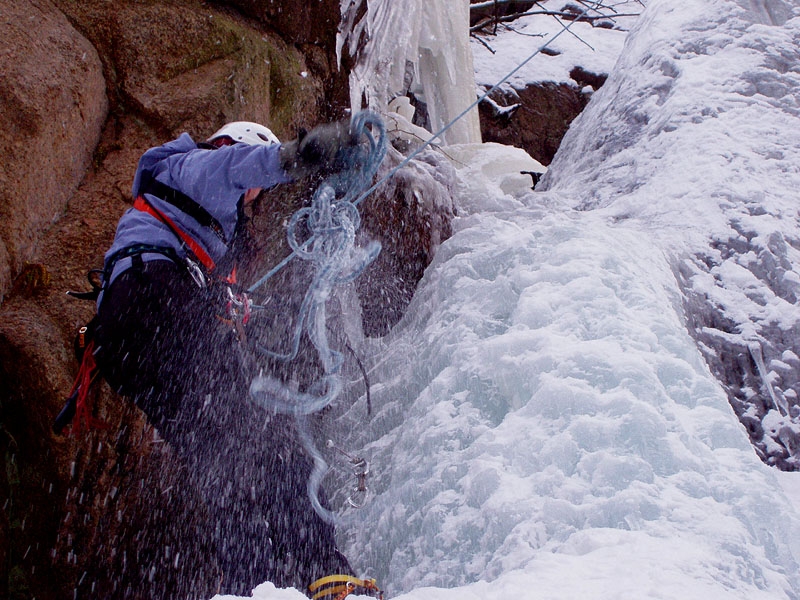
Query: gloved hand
317 151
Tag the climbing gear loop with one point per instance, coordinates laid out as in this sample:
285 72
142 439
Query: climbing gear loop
79 406
239 307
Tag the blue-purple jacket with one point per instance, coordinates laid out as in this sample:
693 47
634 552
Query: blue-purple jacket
215 179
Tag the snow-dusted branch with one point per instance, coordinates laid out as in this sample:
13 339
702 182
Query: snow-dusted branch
594 12
569 16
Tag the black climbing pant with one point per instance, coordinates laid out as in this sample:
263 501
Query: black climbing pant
161 343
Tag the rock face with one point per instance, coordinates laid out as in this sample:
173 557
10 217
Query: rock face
410 216
185 67
490 14
312 27
536 117
87 87
53 101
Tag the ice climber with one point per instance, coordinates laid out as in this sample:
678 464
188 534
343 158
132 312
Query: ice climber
160 340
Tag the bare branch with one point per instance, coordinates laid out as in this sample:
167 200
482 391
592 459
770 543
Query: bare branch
554 13
485 44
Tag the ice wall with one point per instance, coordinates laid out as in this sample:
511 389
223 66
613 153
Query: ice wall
542 416
542 409
413 46
695 136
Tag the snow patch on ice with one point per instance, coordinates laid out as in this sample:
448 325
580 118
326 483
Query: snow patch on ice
594 49
692 138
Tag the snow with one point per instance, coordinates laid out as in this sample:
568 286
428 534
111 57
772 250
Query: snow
544 423
594 48
697 128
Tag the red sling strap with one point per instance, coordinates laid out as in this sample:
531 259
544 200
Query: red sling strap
143 205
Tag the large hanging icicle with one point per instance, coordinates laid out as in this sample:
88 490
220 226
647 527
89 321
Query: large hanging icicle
417 46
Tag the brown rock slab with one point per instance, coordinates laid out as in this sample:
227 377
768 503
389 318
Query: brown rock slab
52 106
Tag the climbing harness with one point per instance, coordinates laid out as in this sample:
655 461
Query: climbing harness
136 251
151 185
192 247
338 587
198 263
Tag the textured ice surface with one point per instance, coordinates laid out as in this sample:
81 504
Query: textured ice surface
543 402
543 424
694 137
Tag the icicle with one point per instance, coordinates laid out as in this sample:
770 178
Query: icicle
413 46
758 357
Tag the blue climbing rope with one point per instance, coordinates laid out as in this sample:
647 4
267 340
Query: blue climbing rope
361 164
331 221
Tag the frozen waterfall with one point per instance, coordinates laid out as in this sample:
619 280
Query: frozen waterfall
545 420
413 47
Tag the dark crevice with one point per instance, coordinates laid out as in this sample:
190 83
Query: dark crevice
756 362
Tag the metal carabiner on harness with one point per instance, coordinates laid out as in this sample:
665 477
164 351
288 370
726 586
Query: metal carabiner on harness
239 307
237 311
195 272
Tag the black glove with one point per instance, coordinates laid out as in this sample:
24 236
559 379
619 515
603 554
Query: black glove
319 150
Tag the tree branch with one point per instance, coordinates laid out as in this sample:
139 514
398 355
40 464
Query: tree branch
569 16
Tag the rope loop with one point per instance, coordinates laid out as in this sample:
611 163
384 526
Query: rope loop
327 242
328 227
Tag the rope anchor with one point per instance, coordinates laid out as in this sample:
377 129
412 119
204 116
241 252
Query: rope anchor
359 492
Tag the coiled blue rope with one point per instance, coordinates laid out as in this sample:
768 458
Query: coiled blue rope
331 249
361 164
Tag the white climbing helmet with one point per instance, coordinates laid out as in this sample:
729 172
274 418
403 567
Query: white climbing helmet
246 132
